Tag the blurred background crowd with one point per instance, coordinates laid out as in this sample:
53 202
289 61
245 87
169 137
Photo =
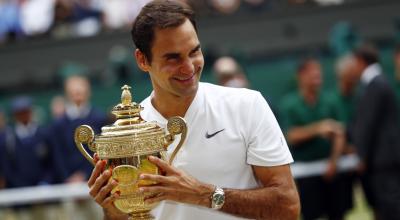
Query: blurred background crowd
27 19
62 63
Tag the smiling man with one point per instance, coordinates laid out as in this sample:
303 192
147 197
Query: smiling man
235 161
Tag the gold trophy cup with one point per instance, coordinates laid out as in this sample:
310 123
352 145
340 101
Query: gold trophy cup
126 145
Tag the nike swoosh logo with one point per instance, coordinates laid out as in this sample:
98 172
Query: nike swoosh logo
213 134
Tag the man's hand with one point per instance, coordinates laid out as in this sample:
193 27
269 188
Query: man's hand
361 167
176 186
328 128
100 188
330 170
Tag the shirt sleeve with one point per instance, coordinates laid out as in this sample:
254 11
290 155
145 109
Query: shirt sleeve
265 141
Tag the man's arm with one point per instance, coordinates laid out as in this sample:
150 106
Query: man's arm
327 128
338 145
324 128
277 199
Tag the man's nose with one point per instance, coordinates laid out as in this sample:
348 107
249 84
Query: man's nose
187 67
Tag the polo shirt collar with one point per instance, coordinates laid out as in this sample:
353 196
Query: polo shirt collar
193 109
370 73
74 112
25 131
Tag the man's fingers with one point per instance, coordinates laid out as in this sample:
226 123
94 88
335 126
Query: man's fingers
105 191
96 172
95 158
154 190
109 200
156 198
162 164
157 178
99 183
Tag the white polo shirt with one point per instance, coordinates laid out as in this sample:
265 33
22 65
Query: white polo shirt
242 131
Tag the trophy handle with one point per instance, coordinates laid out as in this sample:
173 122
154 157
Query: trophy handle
84 134
176 125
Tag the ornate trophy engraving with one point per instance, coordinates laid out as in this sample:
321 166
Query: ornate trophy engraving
126 145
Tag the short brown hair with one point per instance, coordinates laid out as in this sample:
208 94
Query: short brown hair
303 63
368 53
158 14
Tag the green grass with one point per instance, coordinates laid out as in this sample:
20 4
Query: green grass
361 211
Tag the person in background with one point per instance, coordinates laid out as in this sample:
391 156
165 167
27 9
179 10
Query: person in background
25 149
36 17
57 106
375 132
76 18
342 104
10 22
71 165
344 95
314 136
229 73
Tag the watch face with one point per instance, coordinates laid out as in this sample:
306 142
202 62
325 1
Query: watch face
219 199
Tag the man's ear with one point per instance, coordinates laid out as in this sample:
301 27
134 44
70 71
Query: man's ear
141 60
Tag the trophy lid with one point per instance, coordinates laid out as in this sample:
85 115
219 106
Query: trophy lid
127 109
128 117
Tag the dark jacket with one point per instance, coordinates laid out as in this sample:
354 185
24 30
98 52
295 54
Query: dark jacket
68 158
26 161
376 132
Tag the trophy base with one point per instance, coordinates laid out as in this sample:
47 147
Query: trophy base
140 216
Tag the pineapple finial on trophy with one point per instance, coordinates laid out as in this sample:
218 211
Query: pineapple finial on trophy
126 96
128 110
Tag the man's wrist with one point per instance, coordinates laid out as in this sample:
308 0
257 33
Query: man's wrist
206 195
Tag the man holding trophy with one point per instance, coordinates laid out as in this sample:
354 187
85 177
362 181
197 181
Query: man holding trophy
235 152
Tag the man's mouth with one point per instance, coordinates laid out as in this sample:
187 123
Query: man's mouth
184 78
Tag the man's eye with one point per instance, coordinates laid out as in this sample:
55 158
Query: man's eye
196 51
172 58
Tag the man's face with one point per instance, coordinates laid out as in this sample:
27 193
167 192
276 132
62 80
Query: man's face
177 61
23 116
359 67
310 77
347 78
77 90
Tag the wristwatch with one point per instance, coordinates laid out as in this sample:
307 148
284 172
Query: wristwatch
217 198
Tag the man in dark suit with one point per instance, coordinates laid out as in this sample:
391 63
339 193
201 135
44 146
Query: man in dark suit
25 149
376 133
70 165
